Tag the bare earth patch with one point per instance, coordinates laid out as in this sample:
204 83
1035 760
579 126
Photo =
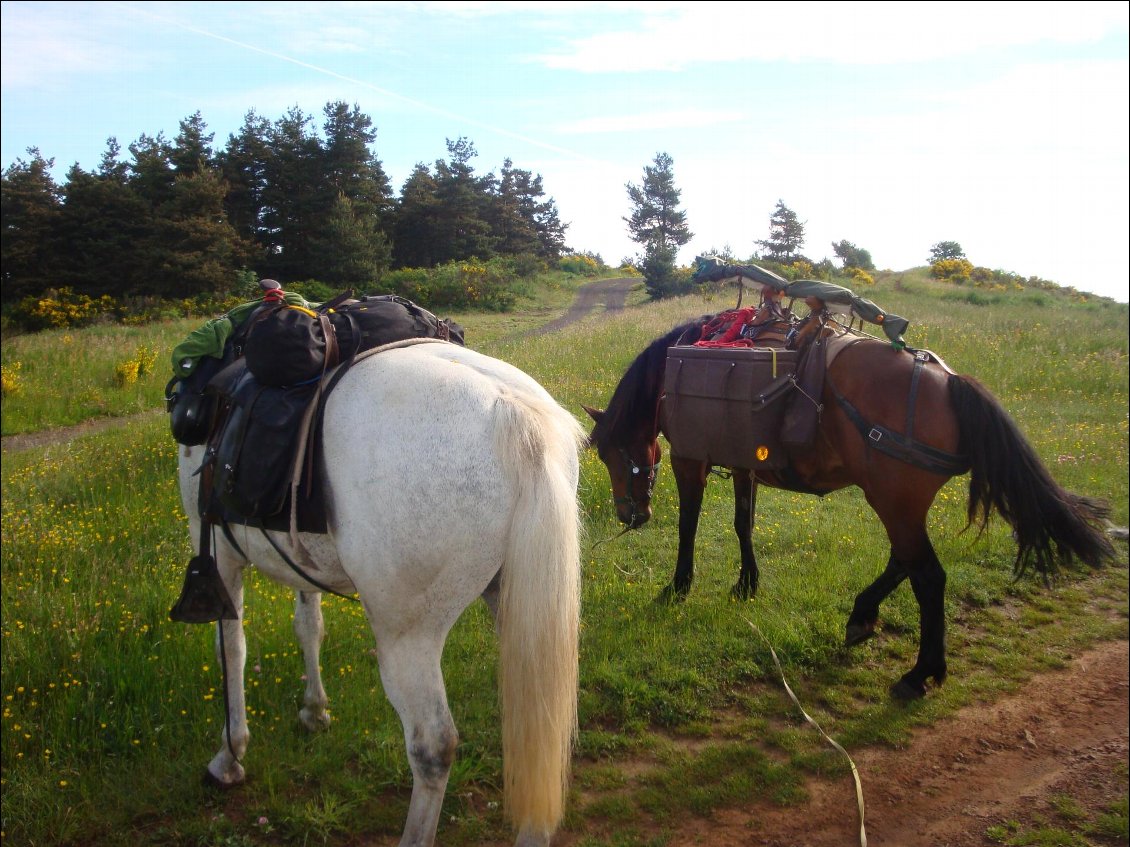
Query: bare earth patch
1064 734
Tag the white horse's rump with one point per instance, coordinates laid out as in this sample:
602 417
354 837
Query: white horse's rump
444 469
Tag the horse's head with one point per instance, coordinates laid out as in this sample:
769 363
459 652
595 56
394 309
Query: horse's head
632 468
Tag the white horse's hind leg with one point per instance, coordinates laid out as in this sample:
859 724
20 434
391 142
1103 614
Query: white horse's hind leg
410 672
225 768
311 630
490 596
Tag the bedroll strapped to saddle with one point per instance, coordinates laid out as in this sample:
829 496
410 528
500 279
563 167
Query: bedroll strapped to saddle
713 269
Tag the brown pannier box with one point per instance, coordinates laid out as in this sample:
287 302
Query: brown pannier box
724 405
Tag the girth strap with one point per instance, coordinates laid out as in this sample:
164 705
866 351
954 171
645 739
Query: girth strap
904 447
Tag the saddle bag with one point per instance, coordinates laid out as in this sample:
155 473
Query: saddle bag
290 345
254 449
384 318
723 405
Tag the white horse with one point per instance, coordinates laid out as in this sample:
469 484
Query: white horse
449 476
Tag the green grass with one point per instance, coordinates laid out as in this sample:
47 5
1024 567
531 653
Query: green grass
111 711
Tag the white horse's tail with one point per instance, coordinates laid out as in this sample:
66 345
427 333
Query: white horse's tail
539 609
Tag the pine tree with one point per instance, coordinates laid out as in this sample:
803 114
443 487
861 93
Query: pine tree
852 256
194 249
31 204
461 224
786 235
292 198
349 250
414 221
244 165
105 230
659 225
946 250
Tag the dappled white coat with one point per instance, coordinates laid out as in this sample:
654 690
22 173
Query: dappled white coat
445 469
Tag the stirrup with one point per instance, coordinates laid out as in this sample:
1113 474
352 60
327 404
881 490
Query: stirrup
203 598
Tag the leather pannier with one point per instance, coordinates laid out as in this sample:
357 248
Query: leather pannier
724 405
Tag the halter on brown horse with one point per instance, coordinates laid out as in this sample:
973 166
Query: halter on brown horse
870 388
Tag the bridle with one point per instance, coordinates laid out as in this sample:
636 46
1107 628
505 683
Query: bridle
633 471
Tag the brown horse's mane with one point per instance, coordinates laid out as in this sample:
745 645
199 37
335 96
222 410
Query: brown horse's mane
634 402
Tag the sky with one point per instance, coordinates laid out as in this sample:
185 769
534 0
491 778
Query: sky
893 126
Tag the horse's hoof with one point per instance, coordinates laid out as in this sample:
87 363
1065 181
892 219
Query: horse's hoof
314 721
905 691
857 633
669 596
210 780
742 592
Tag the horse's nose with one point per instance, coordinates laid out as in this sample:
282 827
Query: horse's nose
635 517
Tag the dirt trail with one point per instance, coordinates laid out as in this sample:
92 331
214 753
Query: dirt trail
613 293
1063 735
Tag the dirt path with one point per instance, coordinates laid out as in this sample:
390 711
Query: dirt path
611 292
1063 735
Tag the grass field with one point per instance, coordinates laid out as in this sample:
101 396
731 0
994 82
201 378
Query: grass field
111 711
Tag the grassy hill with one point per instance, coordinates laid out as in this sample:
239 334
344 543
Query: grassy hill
111 711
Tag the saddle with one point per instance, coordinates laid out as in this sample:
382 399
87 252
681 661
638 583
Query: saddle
257 408
749 389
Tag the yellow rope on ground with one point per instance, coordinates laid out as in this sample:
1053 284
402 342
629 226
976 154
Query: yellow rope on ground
828 738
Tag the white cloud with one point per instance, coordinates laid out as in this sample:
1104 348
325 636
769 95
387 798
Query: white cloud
42 49
674 119
677 36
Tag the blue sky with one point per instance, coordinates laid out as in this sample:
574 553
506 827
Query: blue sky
891 125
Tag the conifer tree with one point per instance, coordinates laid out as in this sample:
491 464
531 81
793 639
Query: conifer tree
659 225
30 206
786 235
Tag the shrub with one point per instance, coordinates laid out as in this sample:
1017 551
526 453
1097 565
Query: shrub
310 289
146 358
10 383
125 373
470 284
860 276
579 263
62 308
952 270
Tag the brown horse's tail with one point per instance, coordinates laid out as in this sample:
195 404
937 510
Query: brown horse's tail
1052 526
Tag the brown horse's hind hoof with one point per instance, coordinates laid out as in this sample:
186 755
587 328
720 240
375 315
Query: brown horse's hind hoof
857 633
903 690
669 596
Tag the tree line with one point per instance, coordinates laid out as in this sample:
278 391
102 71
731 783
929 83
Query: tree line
179 218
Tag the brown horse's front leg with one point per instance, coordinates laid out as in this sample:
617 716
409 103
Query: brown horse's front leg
691 483
745 507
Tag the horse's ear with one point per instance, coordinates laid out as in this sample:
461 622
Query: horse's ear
595 414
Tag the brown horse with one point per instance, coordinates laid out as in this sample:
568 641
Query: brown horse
873 393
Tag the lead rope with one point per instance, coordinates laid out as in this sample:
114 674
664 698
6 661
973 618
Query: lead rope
828 738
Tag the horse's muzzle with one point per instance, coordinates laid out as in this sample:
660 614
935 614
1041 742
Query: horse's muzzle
632 516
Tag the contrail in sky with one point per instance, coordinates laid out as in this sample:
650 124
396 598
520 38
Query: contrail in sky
352 80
